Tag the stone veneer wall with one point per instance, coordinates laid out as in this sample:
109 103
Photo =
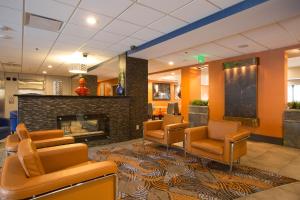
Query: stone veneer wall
136 86
40 112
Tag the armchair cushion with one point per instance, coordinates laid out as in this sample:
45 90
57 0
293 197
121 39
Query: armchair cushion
209 145
171 119
156 134
29 159
219 129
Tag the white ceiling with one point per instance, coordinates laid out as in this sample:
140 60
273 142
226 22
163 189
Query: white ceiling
121 24
257 29
173 76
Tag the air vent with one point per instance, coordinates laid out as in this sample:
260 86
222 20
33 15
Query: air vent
43 23
9 64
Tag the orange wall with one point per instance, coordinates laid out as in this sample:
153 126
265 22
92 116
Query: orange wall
107 86
190 88
272 86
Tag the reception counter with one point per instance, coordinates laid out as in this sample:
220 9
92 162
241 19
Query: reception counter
45 112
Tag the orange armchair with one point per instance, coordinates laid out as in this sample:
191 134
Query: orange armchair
167 131
61 172
222 141
41 139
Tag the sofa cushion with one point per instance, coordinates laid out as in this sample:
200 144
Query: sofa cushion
218 129
29 158
156 134
171 119
22 131
209 145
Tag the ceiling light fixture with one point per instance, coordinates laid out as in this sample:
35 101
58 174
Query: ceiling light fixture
6 37
80 68
173 73
91 20
49 66
44 72
171 63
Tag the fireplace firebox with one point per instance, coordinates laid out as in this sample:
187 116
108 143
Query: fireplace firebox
84 126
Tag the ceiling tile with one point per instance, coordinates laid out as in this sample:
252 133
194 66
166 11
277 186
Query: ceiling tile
69 2
80 16
226 3
70 39
108 37
167 24
79 31
147 34
293 27
14 4
195 10
166 5
233 42
39 34
272 36
140 15
110 8
118 48
212 49
10 16
49 8
94 44
129 41
122 28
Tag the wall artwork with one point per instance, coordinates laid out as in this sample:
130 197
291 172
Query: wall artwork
241 90
161 91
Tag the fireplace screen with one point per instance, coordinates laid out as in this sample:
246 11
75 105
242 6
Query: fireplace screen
83 125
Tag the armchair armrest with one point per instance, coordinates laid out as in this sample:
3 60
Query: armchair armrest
177 126
60 157
234 137
46 134
60 179
152 125
194 134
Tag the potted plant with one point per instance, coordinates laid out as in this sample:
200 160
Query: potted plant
198 113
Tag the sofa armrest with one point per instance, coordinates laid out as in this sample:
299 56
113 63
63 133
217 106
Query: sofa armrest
152 125
60 157
57 180
177 126
234 137
46 134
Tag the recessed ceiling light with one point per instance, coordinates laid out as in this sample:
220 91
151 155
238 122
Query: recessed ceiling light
44 72
91 20
173 73
49 66
171 63
243 46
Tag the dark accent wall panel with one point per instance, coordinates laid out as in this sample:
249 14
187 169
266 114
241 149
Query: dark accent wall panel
137 88
241 92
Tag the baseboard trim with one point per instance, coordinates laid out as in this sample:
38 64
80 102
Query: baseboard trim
267 139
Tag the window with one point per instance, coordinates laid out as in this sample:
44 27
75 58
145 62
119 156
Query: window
293 93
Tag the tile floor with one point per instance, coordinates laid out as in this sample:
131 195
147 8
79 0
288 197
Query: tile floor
278 159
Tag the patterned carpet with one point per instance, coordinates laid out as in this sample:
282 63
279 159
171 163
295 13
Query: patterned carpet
152 173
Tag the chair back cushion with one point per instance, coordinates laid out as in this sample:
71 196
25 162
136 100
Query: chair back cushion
30 159
22 131
171 119
218 129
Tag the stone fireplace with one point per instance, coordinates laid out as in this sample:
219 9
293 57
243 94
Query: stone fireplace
84 125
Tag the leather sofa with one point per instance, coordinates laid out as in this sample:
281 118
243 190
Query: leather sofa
167 131
41 139
61 172
222 141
